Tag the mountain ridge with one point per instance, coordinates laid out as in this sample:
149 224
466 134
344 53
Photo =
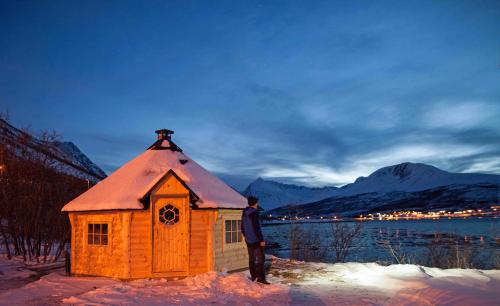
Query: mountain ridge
65 156
404 177
272 194
451 197
413 177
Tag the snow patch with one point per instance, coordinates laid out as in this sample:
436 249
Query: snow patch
205 289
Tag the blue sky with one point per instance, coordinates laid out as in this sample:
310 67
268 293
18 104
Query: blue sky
314 93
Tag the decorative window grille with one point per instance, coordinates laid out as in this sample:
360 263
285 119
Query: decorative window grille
98 233
233 231
169 215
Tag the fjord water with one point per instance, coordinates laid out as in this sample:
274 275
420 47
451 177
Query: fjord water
481 236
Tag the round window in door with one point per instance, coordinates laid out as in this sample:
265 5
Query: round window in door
169 214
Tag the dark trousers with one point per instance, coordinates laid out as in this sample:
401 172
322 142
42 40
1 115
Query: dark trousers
256 261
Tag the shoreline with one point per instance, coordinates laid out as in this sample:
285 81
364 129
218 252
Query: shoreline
308 221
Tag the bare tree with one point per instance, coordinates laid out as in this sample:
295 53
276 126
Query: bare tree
32 193
306 243
295 233
450 252
343 238
397 253
295 237
446 251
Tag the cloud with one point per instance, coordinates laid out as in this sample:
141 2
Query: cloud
489 164
320 143
461 115
311 175
310 93
367 162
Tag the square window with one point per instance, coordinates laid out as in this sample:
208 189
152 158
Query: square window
97 233
233 231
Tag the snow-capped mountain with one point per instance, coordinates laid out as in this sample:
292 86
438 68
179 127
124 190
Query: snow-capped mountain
451 197
400 182
64 157
73 153
273 194
411 177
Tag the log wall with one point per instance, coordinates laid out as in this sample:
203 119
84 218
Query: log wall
228 256
104 260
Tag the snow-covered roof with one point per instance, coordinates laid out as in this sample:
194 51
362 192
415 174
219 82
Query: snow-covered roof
125 188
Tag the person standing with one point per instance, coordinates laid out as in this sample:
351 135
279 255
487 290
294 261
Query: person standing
250 227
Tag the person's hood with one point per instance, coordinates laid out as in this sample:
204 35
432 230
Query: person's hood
249 210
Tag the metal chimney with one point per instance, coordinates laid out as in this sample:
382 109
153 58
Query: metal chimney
164 134
164 141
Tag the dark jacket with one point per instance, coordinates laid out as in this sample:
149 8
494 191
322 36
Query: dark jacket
250 225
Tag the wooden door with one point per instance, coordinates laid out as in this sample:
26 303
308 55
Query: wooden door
170 234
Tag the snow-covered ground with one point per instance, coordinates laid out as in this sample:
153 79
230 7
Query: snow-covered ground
293 284
14 273
374 284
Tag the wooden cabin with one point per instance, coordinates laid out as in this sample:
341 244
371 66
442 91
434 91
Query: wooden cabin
160 215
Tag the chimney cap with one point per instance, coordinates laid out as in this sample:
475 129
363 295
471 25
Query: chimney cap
164 133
